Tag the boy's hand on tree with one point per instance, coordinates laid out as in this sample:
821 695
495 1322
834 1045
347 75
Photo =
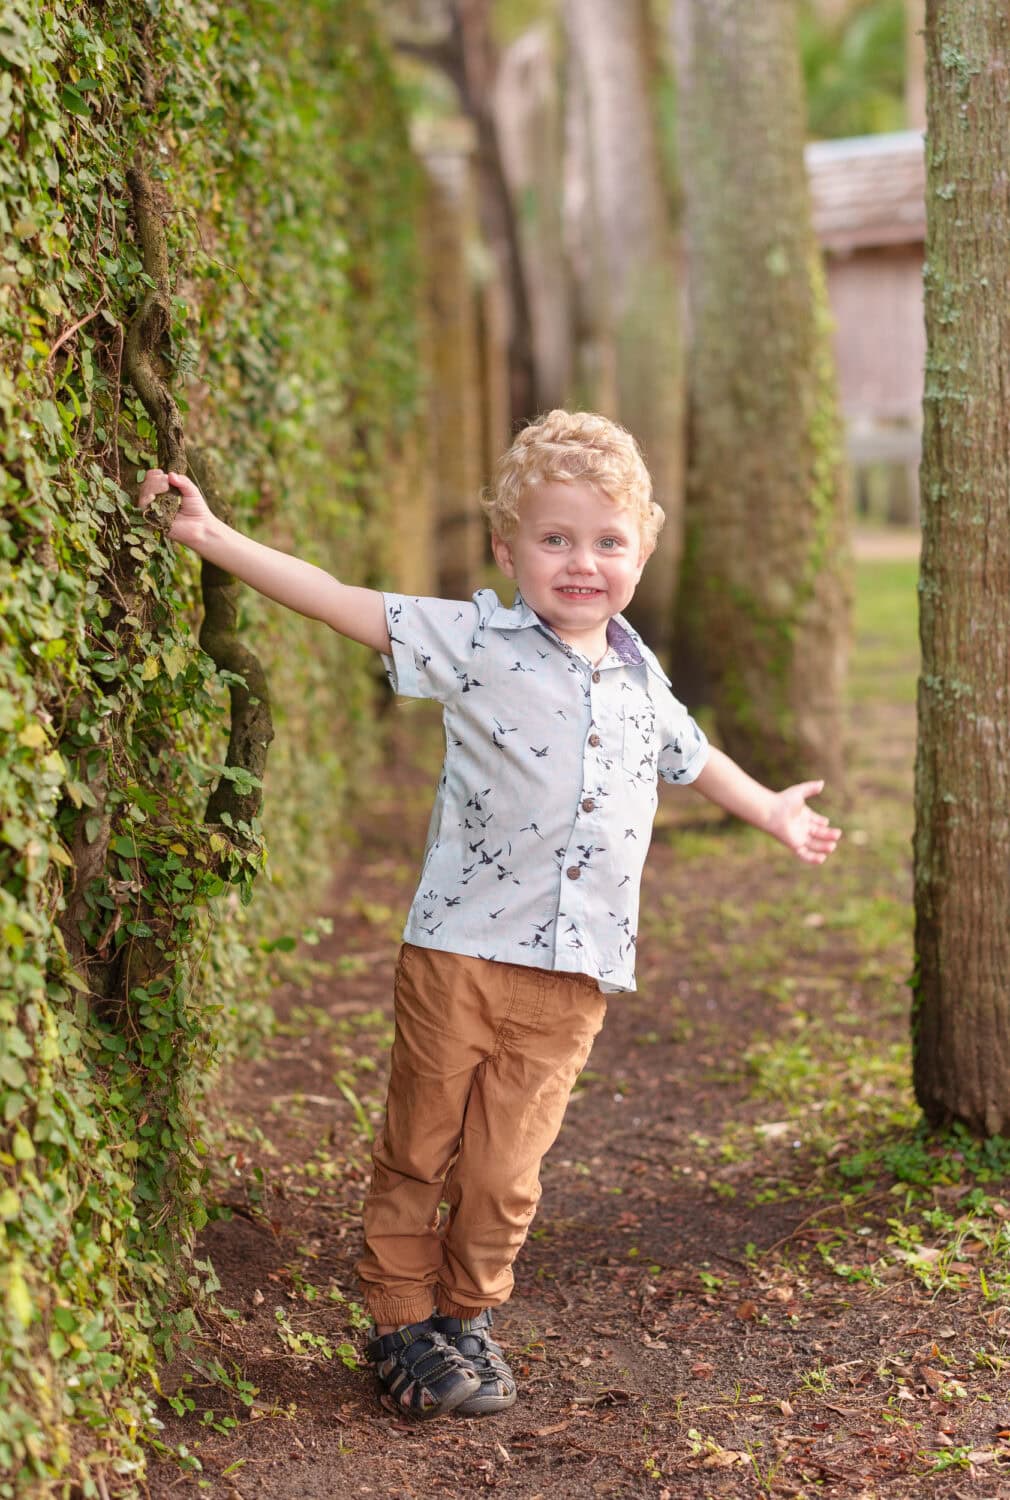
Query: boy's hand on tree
807 833
190 524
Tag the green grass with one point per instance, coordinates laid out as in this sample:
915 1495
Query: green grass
885 659
832 1066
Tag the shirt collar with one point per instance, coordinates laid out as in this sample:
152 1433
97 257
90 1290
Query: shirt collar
623 640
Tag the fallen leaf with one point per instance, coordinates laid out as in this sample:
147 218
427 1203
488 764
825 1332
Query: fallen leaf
703 1370
926 1254
550 1431
747 1311
724 1458
935 1379
785 1408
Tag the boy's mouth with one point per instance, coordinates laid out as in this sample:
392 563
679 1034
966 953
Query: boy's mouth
572 592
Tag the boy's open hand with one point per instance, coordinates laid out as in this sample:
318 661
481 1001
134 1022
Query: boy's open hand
802 830
190 524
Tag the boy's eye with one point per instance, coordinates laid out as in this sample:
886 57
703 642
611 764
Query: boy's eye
609 543
554 540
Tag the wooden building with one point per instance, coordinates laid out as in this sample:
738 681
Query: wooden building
869 211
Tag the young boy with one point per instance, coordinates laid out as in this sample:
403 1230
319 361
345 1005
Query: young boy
558 721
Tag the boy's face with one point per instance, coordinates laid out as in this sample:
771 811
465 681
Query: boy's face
576 557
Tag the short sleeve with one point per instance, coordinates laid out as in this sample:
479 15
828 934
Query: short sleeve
433 643
683 748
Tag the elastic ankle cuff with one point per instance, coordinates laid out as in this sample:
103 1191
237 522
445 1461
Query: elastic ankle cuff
399 1310
446 1308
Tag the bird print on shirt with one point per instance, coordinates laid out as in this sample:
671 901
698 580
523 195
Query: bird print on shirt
500 732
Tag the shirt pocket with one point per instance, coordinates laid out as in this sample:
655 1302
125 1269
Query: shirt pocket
638 747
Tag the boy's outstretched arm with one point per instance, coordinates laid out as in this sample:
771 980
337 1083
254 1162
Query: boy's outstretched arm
355 612
785 815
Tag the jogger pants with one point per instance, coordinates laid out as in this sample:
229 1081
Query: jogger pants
484 1058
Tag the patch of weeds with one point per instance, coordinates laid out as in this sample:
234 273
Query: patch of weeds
928 1158
941 1459
305 1020
350 965
365 1126
310 1346
844 1269
816 1380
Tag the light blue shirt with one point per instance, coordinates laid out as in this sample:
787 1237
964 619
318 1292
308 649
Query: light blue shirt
545 803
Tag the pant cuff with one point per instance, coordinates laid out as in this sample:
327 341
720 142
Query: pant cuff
398 1310
446 1308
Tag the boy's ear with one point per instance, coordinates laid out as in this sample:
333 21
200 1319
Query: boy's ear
502 551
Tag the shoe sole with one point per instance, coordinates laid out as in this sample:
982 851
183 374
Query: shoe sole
485 1406
447 1405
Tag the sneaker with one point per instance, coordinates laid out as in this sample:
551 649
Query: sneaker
420 1373
471 1337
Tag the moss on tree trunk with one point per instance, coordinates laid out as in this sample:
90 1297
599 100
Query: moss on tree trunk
961 1022
765 599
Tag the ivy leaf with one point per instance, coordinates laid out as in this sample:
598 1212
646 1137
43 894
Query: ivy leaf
175 659
19 1302
33 735
73 101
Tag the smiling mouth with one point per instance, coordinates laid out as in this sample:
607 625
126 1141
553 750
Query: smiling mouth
576 593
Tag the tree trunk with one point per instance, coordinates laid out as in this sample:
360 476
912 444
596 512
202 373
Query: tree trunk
961 1018
456 447
765 596
529 123
624 256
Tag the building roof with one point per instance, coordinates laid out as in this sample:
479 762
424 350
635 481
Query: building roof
868 190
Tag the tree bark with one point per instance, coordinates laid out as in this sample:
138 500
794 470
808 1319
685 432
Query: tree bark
626 265
765 593
450 227
529 122
961 1015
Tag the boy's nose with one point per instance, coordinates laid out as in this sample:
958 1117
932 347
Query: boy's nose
581 562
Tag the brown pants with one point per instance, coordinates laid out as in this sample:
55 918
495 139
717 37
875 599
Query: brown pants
484 1059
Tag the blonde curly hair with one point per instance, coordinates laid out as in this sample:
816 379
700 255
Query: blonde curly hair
573 447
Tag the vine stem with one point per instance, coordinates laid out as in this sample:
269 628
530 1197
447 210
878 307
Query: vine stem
68 333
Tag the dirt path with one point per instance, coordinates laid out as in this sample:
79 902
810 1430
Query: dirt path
715 1300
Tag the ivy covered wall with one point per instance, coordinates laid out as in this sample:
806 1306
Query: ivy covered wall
273 142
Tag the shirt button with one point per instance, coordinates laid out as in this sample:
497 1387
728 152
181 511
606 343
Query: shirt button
572 872
596 676
594 740
588 804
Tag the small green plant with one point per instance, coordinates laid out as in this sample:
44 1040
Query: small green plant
817 1380
304 1344
941 1459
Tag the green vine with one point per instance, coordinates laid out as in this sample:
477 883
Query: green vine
287 335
